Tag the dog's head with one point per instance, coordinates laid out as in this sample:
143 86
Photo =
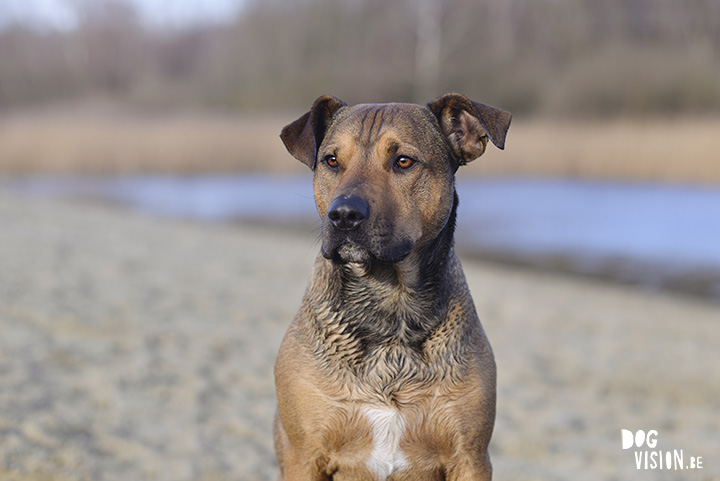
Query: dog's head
384 173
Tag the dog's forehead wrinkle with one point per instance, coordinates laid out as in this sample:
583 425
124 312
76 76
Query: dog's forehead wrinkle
367 121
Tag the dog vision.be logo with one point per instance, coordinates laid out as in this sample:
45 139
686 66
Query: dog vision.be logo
653 458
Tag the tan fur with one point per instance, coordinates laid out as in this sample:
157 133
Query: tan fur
387 341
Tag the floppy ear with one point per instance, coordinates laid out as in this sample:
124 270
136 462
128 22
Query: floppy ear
303 137
467 125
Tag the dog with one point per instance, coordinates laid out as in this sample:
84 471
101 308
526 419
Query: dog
385 372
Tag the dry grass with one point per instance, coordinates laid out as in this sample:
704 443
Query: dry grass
111 142
679 150
686 150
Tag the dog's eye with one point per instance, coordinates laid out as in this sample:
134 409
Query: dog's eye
404 162
331 161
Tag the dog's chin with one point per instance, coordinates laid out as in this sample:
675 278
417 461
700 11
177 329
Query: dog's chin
352 253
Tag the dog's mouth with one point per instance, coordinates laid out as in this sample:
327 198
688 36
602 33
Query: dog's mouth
348 251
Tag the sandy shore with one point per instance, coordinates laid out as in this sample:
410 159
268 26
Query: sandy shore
137 348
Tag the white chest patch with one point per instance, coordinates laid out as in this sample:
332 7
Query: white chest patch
388 427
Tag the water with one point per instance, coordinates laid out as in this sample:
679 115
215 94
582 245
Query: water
658 223
655 235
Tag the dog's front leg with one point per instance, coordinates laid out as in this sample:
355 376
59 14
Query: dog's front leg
294 465
468 469
297 467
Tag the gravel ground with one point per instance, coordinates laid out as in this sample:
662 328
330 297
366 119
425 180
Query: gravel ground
137 348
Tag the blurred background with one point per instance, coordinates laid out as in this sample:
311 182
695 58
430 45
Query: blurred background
612 164
155 236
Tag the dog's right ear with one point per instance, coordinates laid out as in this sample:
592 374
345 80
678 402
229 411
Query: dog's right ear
303 137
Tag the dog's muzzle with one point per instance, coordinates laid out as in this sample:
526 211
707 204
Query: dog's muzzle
350 236
345 216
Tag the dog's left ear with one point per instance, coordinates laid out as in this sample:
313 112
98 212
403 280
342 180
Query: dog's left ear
467 125
303 137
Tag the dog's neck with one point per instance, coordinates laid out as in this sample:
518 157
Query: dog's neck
388 303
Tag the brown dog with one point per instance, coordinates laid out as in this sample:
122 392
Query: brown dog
386 372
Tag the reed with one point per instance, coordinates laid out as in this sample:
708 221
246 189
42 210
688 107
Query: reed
124 144
667 150
673 150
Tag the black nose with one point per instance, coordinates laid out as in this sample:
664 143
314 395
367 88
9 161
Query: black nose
347 213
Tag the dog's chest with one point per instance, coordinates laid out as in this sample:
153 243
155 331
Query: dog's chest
388 428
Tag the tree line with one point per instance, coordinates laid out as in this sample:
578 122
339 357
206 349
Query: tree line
542 57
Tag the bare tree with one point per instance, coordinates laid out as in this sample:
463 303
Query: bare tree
566 57
427 49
